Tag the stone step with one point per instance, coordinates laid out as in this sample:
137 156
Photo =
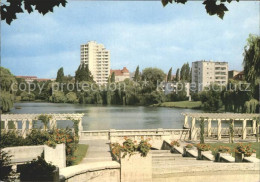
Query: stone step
166 155
160 151
174 159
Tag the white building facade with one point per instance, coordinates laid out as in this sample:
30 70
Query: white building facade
206 72
97 57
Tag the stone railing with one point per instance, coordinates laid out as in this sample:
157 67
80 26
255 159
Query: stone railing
23 154
153 134
93 172
94 134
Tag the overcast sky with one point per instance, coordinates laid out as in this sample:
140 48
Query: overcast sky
136 33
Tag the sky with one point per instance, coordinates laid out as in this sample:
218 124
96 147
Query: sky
140 33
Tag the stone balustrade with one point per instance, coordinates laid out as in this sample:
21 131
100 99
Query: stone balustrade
153 134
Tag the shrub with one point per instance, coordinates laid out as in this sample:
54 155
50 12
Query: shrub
6 171
189 146
175 143
68 138
144 147
37 137
129 147
203 147
37 170
223 149
244 149
10 139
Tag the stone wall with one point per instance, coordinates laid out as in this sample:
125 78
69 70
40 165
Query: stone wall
93 172
56 156
136 168
24 154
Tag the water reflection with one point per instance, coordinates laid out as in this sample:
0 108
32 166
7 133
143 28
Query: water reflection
112 117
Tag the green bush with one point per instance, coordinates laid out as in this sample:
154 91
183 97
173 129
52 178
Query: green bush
10 139
37 170
37 137
6 171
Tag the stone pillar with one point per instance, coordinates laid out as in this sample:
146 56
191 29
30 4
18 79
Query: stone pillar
186 124
15 124
80 126
209 127
30 124
254 126
6 124
219 129
24 128
193 129
244 130
54 123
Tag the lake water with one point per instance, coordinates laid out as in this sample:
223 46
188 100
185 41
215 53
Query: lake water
111 117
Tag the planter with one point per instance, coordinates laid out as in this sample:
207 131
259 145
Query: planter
239 157
221 154
136 168
200 153
185 151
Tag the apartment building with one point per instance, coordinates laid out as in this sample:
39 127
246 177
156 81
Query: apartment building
206 72
97 57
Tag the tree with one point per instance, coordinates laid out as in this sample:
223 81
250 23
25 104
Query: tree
185 72
211 98
251 60
60 75
71 97
45 119
169 76
153 76
12 7
211 6
177 78
113 77
9 11
137 75
7 92
83 74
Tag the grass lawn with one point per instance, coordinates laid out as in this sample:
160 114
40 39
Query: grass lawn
254 145
181 104
80 153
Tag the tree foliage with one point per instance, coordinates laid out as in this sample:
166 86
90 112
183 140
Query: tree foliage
153 75
169 76
252 59
137 76
211 6
113 77
60 75
7 93
185 72
177 77
83 74
10 8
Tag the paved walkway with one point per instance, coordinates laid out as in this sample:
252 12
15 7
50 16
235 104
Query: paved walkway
98 150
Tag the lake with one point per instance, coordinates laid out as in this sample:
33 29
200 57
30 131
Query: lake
99 117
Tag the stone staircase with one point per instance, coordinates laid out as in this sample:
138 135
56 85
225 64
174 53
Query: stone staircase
165 163
98 151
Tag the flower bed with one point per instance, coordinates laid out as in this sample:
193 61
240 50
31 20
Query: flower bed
175 143
203 147
130 147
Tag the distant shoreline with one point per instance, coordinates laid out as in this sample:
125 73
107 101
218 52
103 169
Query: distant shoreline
180 104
